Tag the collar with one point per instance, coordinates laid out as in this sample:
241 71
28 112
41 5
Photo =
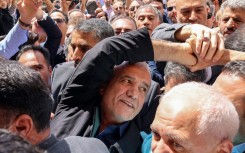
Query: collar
96 124
48 142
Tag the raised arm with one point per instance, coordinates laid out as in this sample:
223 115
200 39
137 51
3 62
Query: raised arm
18 34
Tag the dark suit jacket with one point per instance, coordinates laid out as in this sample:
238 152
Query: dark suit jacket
74 114
73 144
54 37
60 76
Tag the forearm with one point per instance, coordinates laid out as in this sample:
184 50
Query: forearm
231 55
16 36
83 5
177 52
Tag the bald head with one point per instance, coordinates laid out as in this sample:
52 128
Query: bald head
195 117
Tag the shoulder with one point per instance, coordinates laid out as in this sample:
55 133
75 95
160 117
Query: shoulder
85 145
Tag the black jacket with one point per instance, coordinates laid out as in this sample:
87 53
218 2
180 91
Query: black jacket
74 114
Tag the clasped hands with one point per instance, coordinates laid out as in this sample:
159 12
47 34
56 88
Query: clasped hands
207 46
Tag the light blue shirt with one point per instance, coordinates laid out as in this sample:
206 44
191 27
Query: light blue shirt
9 45
239 148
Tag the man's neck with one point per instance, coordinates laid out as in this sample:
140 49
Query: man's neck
38 137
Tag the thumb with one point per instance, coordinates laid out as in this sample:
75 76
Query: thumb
190 60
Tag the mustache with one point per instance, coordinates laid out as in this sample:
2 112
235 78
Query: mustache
230 29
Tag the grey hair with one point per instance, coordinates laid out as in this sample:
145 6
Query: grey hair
233 4
148 6
101 28
217 118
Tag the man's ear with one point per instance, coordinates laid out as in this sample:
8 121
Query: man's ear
102 89
22 126
50 70
225 147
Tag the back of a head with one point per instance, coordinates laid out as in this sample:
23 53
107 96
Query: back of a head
180 74
216 116
235 68
11 143
22 91
236 40
101 28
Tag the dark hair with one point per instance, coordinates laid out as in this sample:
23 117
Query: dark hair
11 143
65 15
40 49
22 91
236 40
181 73
101 28
235 68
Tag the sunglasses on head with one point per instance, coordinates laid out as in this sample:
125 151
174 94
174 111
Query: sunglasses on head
170 8
59 20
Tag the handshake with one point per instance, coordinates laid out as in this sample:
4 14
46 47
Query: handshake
205 47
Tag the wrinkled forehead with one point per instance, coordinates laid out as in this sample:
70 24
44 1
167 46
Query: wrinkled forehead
135 69
175 104
190 3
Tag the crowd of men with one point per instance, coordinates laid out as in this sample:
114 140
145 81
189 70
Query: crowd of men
122 76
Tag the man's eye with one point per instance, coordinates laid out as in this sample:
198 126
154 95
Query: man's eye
225 19
176 146
237 20
151 18
156 136
185 12
199 10
143 90
141 18
126 81
84 49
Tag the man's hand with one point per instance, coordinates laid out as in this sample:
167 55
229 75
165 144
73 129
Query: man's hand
215 53
207 41
100 13
28 9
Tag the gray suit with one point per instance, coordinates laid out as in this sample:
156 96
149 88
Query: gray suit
73 144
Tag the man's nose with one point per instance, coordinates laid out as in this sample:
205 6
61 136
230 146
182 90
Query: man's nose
230 23
77 55
146 22
193 16
132 92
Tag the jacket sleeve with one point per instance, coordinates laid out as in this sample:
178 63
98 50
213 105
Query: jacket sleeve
54 37
9 45
97 65
166 31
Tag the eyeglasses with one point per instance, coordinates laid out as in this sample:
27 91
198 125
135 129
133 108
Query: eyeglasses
133 8
59 20
170 8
